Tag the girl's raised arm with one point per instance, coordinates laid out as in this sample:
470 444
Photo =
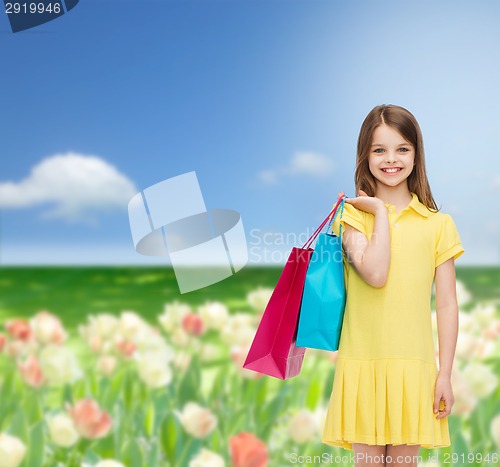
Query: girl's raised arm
371 258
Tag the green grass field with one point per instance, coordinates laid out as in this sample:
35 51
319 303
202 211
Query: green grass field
74 292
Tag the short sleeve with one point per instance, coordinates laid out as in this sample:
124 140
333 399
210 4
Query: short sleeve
448 243
351 216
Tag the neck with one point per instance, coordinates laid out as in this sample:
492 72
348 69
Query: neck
397 196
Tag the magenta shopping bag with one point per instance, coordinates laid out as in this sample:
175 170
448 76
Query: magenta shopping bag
273 351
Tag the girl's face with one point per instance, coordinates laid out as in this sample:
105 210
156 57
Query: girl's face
390 149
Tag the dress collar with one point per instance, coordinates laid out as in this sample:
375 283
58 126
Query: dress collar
416 205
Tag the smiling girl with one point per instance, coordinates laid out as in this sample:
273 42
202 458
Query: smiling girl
389 398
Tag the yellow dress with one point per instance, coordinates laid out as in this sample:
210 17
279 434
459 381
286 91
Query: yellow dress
386 370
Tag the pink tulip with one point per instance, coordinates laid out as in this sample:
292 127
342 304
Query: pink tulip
31 372
18 329
247 451
2 342
126 348
192 324
90 421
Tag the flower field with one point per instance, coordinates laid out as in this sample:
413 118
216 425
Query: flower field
113 367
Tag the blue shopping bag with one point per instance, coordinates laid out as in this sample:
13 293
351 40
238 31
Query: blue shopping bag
324 296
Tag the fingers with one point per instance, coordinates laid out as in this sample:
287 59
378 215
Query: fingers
342 193
443 407
437 400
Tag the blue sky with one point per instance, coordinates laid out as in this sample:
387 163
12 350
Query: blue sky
263 99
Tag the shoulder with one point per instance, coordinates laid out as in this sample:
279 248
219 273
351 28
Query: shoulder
355 212
444 228
440 219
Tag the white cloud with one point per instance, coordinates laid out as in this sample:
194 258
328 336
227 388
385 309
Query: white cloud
76 184
268 176
302 162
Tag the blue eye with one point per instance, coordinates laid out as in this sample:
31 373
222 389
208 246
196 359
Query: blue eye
381 149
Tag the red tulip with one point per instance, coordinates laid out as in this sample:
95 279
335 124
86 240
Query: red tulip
247 451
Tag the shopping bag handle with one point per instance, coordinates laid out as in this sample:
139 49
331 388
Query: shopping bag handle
335 215
318 230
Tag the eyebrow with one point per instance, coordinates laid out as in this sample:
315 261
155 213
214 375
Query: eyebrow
402 144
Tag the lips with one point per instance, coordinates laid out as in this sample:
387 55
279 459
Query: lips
384 169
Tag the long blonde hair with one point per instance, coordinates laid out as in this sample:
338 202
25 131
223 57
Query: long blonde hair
406 124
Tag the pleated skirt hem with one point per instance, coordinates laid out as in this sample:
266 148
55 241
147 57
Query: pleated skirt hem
348 439
384 401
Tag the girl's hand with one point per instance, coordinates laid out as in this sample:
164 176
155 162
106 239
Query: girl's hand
367 203
443 394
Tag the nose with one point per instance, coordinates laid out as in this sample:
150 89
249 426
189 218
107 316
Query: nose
391 158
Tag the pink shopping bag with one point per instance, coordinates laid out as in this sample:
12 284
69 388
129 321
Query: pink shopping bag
273 351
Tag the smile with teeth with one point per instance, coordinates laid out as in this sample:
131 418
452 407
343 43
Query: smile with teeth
392 170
